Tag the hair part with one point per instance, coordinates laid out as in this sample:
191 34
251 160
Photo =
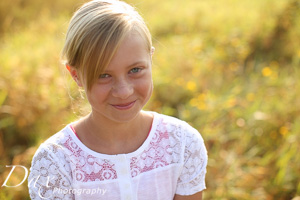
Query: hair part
96 31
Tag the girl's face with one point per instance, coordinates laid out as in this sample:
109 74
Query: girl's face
126 85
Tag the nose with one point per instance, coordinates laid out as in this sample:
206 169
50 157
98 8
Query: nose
122 89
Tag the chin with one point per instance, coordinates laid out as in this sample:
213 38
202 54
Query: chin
125 116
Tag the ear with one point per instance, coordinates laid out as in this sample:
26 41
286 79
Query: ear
152 51
74 73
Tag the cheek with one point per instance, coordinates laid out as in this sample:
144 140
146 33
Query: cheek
146 86
97 93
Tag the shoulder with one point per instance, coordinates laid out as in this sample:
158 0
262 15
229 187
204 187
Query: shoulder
52 156
50 167
194 153
169 121
189 137
173 123
53 148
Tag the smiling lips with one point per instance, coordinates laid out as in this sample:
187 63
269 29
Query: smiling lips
125 106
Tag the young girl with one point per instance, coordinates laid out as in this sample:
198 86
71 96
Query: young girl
118 151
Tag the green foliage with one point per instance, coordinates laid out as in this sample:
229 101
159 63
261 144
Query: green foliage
230 68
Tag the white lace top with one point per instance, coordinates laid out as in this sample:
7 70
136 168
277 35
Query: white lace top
172 160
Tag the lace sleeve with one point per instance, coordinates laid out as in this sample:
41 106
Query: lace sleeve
192 178
50 174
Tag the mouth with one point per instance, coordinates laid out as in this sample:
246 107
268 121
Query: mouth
124 106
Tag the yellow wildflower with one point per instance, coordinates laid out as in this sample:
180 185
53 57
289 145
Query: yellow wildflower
201 97
231 102
266 71
283 130
298 53
191 86
250 97
199 104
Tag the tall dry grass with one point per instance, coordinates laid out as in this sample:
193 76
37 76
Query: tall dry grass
232 68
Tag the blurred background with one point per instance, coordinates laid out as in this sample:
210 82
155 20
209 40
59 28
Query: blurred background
230 68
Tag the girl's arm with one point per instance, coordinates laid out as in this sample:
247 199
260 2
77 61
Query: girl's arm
50 175
191 181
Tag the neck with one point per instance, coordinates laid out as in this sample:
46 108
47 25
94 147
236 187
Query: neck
111 131
109 137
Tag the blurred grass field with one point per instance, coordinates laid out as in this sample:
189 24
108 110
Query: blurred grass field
230 68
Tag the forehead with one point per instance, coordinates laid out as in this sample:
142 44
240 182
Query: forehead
133 49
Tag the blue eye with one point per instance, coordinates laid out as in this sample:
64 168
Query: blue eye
135 70
104 76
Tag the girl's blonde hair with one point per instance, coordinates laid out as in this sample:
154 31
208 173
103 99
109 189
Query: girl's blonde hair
95 33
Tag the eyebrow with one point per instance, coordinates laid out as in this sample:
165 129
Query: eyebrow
137 63
131 65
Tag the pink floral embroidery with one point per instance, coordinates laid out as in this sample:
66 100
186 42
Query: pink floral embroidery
172 143
158 153
89 168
